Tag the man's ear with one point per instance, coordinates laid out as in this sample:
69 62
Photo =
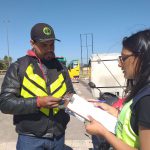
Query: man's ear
32 43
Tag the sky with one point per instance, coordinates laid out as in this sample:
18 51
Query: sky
101 23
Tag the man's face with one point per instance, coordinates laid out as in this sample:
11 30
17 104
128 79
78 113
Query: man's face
44 49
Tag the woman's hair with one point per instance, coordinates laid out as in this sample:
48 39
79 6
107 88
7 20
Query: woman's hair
139 44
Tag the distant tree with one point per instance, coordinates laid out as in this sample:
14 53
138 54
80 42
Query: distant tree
5 62
3 65
6 58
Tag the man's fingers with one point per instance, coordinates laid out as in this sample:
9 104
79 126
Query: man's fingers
50 105
54 99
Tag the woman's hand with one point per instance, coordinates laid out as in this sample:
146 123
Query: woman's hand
95 128
111 110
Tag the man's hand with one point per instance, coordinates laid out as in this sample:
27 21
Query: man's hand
66 98
48 102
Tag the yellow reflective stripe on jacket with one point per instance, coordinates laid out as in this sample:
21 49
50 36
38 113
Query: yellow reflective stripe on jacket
25 94
33 88
40 92
58 94
34 77
123 128
54 86
37 91
61 91
56 83
30 86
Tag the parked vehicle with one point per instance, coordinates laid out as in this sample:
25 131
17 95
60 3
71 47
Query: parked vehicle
106 75
74 70
62 60
107 84
99 143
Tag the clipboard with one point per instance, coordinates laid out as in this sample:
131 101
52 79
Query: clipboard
83 108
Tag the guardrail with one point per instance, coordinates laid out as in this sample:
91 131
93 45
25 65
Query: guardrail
2 72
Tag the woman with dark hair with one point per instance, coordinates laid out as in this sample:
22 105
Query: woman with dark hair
133 126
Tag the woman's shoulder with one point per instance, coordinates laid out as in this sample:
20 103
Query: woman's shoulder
144 102
142 110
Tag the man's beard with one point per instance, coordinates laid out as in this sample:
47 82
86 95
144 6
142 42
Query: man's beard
49 56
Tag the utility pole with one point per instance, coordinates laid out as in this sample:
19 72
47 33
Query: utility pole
81 49
87 54
86 45
7 40
92 43
86 35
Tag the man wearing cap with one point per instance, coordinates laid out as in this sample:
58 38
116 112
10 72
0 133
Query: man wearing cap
32 91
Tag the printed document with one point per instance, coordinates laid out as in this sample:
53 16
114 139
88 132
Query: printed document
84 109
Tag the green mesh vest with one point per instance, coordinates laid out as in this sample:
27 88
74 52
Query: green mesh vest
123 127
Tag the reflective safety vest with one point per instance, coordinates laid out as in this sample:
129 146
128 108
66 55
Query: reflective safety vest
34 85
123 127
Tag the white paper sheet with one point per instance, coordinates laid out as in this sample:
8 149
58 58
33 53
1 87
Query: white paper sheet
83 108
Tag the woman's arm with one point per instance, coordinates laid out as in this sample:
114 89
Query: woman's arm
144 135
116 142
95 128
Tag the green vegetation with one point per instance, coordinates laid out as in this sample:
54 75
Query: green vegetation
5 62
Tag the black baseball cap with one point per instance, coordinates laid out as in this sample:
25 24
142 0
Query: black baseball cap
42 32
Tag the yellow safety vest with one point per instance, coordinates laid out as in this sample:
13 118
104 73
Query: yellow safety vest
36 86
123 127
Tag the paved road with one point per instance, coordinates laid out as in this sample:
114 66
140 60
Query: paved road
76 138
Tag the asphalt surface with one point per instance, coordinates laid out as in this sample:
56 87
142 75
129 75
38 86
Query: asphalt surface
76 137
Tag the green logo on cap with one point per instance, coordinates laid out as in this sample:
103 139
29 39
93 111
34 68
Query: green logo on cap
47 31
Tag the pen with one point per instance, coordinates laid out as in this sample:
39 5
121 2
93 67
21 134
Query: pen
98 100
102 100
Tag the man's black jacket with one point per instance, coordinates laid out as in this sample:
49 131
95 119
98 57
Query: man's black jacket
27 117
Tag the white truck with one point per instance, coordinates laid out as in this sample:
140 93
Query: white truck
106 75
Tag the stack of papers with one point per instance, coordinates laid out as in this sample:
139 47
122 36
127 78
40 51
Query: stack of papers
83 108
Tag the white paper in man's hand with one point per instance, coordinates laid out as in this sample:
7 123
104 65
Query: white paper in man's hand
83 108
